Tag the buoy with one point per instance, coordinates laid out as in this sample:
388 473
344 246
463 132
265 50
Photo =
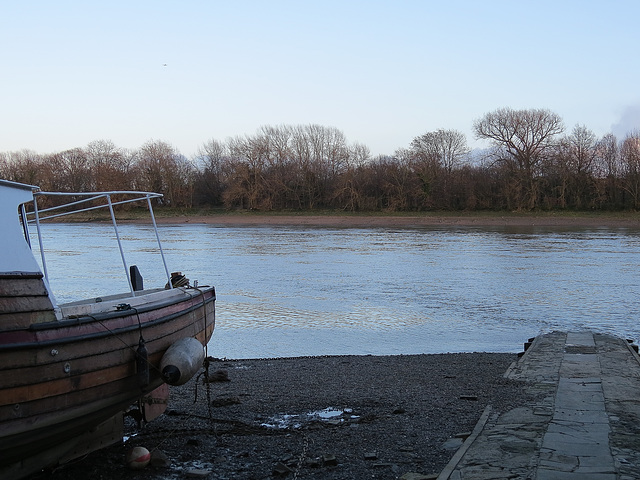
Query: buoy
181 361
138 458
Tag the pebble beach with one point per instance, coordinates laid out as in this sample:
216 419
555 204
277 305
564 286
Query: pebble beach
355 417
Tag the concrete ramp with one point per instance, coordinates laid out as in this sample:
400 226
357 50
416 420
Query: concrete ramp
582 420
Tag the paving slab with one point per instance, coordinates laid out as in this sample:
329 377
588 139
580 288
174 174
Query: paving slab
582 422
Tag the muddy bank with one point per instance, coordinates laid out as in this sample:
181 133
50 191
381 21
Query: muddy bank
316 417
595 221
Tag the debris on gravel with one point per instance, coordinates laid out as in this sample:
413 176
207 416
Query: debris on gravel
335 417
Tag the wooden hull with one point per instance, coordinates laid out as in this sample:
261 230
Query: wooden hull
60 379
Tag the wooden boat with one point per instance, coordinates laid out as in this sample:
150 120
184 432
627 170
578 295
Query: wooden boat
69 371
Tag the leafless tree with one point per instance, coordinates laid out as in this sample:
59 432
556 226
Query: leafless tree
581 150
110 166
321 154
250 158
213 159
607 170
607 157
311 166
435 155
359 155
161 168
572 167
73 171
280 184
630 158
446 147
5 169
407 184
24 166
525 138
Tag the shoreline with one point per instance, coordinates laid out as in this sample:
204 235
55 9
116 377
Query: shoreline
381 221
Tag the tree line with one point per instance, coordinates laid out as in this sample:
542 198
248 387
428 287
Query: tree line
532 164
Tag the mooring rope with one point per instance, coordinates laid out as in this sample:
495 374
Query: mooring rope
206 363
142 358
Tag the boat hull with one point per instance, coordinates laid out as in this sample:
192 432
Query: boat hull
60 379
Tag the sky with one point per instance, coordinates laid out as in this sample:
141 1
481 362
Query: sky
382 72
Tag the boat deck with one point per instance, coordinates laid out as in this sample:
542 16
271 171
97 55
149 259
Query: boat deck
582 422
109 303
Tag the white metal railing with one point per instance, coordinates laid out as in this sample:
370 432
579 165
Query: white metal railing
55 212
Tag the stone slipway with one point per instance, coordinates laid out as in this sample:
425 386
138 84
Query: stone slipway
582 422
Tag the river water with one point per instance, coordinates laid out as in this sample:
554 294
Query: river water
297 291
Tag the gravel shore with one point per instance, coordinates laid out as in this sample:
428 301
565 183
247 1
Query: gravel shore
338 417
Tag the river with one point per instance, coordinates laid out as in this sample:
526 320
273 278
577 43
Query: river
298 291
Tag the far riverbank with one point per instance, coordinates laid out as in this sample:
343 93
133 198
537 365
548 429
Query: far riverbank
614 220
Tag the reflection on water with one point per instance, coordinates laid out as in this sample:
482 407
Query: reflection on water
289 291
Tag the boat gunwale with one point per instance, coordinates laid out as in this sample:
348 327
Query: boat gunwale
103 316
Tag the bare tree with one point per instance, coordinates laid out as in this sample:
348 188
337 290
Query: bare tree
5 168
359 155
607 158
572 166
528 165
630 157
161 168
110 165
280 175
213 157
446 147
321 154
408 184
24 166
607 170
581 150
435 155
524 137
250 158
73 171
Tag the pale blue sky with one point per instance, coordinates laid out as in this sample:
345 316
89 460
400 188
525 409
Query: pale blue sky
382 72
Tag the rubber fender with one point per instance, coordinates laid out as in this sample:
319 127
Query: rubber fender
181 361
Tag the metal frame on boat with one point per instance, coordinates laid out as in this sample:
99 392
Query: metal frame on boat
69 371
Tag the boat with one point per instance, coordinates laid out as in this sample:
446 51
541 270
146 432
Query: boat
70 371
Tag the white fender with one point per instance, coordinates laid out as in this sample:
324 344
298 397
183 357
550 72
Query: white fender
181 361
